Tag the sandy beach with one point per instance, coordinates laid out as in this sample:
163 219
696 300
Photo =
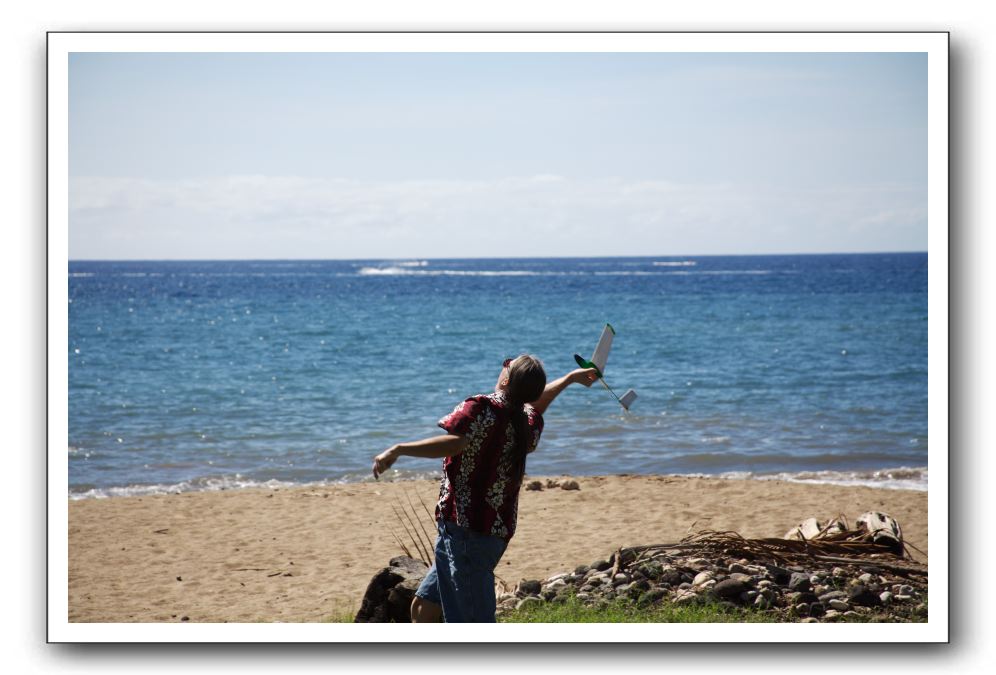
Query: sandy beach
306 554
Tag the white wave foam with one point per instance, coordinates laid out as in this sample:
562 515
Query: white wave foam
197 485
901 478
414 263
680 263
407 271
237 482
719 272
81 274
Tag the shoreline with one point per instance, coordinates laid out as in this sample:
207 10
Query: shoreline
891 478
307 553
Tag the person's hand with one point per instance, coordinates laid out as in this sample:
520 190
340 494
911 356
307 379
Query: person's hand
384 460
584 376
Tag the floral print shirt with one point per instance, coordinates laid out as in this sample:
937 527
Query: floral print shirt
480 486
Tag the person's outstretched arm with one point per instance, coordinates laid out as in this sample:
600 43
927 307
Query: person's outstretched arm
435 447
583 376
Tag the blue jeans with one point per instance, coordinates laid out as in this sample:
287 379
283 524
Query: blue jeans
462 579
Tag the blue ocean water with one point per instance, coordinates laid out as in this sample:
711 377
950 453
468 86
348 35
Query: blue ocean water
203 375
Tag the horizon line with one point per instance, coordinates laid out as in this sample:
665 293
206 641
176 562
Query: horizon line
566 257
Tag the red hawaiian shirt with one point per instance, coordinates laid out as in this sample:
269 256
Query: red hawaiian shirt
480 486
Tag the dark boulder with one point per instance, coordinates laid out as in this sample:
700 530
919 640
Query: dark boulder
729 589
861 595
389 594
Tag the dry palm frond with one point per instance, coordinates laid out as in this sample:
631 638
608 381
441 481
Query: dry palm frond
404 548
414 528
502 586
405 520
848 547
421 523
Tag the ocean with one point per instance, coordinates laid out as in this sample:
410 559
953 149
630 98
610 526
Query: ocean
225 374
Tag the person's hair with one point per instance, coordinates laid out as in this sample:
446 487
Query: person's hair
526 382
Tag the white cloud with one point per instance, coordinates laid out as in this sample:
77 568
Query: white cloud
538 215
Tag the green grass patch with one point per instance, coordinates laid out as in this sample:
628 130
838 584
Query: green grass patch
620 610
341 615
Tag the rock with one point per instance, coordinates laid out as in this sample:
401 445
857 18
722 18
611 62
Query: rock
860 595
601 565
745 578
556 583
581 569
839 572
528 587
527 602
831 614
885 597
764 583
736 568
905 589
799 582
534 485
641 585
865 578
851 615
669 576
685 597
389 594
399 599
547 595
570 485
833 595
802 597
729 589
838 605
651 597
551 483
761 602
702 577
779 575
903 598
809 619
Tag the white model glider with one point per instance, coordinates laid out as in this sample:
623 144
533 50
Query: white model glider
598 360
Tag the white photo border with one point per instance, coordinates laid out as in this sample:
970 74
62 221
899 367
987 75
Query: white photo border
62 44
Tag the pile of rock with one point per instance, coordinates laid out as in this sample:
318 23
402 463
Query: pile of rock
859 591
563 484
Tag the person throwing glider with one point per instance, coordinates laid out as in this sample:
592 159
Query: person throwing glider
484 459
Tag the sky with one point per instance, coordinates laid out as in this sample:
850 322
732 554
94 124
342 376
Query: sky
421 155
